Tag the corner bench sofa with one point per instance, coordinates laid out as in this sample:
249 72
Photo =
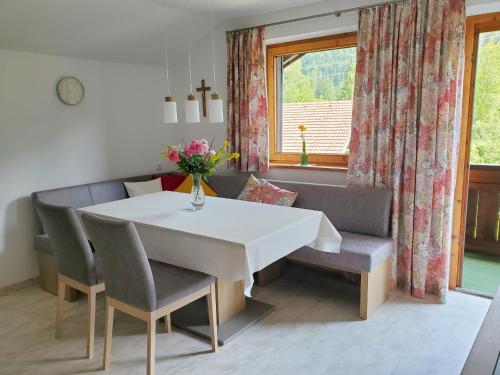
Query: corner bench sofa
361 215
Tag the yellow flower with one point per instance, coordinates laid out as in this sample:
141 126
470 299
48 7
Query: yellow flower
302 128
234 156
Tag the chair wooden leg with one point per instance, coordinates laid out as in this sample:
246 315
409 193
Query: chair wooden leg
61 288
108 335
212 316
151 345
168 323
91 298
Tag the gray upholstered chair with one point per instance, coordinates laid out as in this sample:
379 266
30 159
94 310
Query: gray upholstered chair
76 263
145 289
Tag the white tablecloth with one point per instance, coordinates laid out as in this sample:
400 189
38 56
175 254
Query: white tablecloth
228 238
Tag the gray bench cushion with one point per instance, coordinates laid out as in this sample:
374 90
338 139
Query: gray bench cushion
89 194
228 186
103 192
356 210
173 283
72 196
357 253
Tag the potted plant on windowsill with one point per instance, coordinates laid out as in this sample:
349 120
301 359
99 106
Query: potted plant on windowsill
200 160
303 157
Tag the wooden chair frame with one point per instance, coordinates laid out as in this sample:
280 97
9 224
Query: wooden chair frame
150 317
91 291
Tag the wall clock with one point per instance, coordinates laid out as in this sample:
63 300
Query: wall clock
70 90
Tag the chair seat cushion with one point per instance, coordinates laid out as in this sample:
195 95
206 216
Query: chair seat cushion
173 283
358 253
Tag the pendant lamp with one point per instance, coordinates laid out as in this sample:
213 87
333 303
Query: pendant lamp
169 106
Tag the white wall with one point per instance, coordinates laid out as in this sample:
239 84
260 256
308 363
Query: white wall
300 30
115 131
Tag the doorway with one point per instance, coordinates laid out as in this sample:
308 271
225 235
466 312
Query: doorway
480 256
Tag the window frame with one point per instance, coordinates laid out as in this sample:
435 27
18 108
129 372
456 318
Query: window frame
330 42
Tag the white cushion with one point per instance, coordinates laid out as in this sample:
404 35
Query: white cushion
135 189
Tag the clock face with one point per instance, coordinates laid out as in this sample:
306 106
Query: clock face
70 90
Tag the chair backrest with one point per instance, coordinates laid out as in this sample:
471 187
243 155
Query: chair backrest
69 242
126 270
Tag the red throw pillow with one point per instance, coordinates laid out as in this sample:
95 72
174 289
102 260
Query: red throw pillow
170 182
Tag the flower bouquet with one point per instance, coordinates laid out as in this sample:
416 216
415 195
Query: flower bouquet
200 160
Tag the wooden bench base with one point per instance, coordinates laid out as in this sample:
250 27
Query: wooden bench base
375 285
47 266
375 289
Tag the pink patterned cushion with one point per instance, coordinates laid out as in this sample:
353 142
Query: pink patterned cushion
262 191
250 190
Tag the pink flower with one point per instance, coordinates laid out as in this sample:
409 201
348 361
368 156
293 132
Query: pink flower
173 155
212 152
197 147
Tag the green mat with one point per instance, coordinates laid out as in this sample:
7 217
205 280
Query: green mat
481 272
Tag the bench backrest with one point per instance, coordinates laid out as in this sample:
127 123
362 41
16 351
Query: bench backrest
88 194
357 210
350 209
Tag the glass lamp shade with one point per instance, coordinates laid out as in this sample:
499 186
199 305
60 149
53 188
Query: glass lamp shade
192 109
215 109
169 111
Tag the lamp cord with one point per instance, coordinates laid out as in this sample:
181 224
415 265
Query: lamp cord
189 49
166 62
213 41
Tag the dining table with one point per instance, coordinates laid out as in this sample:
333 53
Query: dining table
229 239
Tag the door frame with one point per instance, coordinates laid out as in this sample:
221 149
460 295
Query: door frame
474 26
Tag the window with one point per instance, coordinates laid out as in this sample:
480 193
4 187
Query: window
311 82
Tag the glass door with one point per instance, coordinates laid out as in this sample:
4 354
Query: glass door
481 256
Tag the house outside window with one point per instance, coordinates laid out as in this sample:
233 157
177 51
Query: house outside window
311 83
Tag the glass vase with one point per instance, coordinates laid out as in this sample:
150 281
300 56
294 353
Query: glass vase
304 160
197 194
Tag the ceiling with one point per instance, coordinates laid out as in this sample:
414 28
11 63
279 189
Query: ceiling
128 31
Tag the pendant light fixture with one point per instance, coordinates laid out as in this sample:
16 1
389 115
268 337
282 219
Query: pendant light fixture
192 106
215 106
169 106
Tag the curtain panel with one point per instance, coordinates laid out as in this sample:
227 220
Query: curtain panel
405 129
247 130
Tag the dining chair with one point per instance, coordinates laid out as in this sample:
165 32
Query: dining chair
77 267
145 289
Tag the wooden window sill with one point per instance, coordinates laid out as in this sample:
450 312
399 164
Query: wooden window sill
310 167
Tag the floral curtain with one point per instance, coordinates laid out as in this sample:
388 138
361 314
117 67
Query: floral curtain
247 99
405 130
